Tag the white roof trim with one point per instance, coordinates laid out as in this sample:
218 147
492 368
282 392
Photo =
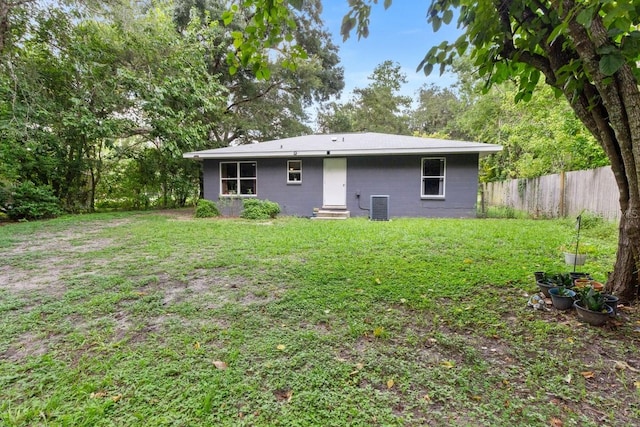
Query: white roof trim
363 144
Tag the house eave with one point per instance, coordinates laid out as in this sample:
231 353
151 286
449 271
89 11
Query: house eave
337 152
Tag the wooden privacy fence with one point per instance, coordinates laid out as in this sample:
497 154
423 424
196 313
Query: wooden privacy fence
559 195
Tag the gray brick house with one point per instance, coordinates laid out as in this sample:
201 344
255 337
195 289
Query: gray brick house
337 174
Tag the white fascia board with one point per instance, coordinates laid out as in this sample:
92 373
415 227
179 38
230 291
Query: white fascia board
489 149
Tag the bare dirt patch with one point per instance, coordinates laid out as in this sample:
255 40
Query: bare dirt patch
40 261
183 214
29 345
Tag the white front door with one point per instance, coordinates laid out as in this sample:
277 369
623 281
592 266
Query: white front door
334 183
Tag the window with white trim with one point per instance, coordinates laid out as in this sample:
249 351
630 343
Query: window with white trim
294 171
238 178
433 174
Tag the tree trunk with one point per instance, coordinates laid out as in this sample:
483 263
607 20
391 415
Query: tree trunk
623 281
609 106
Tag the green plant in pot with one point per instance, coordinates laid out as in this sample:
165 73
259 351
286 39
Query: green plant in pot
554 281
591 306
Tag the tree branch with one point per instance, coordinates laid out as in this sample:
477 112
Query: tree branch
253 98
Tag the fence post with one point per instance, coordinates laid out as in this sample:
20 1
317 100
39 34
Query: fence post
561 205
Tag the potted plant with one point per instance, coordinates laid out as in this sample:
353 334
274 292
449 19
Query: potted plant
577 253
575 275
591 306
612 301
554 281
562 298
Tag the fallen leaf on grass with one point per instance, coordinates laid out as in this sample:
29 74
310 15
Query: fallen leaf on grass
98 395
116 397
390 383
359 366
587 374
621 366
220 365
555 422
283 395
281 347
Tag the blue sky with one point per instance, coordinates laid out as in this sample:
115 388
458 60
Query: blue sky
400 34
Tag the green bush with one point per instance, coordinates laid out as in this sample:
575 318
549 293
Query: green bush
591 220
259 209
206 209
28 201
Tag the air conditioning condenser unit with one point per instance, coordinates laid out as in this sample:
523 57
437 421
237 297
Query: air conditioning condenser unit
379 208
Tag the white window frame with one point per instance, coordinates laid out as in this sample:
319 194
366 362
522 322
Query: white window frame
291 170
442 177
238 179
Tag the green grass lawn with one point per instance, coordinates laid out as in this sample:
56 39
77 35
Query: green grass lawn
161 319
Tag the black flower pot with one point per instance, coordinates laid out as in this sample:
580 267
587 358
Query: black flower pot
594 318
562 302
612 301
545 286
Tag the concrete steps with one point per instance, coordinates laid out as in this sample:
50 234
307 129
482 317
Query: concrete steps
332 214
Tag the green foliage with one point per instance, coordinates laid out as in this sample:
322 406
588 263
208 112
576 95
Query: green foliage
206 209
380 99
259 209
591 220
505 212
564 292
101 101
268 99
560 279
537 140
591 299
437 112
28 201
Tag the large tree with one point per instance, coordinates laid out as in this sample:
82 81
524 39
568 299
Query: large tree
437 111
380 99
270 85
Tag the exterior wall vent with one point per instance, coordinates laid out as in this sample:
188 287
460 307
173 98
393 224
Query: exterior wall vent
379 208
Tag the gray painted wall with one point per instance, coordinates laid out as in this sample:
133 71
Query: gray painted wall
395 176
